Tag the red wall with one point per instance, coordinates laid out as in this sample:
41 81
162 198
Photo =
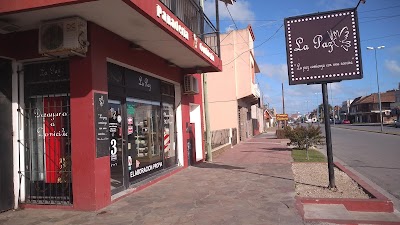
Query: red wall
91 175
195 99
20 45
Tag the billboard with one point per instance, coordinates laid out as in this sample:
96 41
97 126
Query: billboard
323 47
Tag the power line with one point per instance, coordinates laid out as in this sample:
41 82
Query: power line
226 5
373 10
255 46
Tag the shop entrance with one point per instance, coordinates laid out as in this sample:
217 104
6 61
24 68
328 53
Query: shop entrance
6 173
117 141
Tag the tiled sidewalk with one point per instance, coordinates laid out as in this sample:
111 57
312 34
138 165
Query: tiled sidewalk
250 184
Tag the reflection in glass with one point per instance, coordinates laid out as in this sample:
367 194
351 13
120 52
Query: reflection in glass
169 134
115 128
144 137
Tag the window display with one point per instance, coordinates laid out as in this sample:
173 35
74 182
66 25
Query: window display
144 145
169 135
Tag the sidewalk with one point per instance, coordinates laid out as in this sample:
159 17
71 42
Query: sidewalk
251 183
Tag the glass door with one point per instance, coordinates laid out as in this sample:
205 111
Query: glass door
116 146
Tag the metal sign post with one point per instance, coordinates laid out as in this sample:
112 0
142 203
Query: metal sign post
323 48
328 137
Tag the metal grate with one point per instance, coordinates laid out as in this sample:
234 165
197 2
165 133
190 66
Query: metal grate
47 139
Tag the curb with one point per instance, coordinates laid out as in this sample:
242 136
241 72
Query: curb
370 131
379 203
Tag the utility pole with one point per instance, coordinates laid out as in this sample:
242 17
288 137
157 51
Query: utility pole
283 103
205 95
207 119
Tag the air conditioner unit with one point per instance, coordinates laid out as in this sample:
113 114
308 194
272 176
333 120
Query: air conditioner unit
190 85
63 37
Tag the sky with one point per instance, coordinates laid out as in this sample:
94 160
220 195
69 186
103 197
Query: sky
379 24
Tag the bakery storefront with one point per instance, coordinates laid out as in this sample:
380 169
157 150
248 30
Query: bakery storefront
141 126
98 104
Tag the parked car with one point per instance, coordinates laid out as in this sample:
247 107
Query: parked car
397 123
346 122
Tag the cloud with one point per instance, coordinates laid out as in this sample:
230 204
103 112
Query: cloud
393 66
275 71
240 11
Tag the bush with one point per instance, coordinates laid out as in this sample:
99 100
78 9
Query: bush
280 134
304 137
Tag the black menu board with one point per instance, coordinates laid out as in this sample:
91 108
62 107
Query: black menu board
101 124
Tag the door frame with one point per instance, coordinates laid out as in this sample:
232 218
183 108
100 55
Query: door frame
7 195
125 172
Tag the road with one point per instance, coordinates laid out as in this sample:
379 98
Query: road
374 155
374 128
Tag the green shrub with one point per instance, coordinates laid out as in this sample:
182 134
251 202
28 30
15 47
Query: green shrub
280 134
304 137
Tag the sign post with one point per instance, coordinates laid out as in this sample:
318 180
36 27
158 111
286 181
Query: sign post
322 48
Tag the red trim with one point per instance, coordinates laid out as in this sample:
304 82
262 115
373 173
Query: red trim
148 9
361 182
359 205
16 6
379 203
355 222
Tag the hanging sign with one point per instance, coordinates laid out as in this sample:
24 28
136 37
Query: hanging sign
323 47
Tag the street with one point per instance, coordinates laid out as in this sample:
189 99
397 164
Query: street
374 155
374 128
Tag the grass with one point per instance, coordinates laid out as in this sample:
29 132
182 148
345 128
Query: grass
314 156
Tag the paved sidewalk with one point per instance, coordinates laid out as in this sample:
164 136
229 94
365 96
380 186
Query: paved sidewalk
251 183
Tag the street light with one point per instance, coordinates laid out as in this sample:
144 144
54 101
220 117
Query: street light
377 82
317 107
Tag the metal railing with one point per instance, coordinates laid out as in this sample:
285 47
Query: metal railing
47 140
192 15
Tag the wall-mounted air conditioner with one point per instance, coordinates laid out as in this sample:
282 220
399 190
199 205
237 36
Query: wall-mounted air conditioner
63 37
190 85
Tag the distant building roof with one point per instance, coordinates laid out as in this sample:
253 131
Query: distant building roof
387 97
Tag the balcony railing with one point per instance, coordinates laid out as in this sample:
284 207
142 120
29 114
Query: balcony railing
192 15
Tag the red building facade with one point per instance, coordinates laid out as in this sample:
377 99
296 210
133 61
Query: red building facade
110 109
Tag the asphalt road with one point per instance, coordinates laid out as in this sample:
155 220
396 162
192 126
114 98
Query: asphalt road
373 128
372 154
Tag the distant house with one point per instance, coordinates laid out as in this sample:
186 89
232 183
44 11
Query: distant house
395 107
345 110
295 116
365 109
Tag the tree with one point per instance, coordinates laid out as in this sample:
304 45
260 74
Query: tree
304 137
321 110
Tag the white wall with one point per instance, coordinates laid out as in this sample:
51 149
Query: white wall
195 117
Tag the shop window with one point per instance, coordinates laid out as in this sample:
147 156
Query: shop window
169 135
144 138
47 133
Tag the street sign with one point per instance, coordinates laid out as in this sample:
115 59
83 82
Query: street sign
323 47
282 117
